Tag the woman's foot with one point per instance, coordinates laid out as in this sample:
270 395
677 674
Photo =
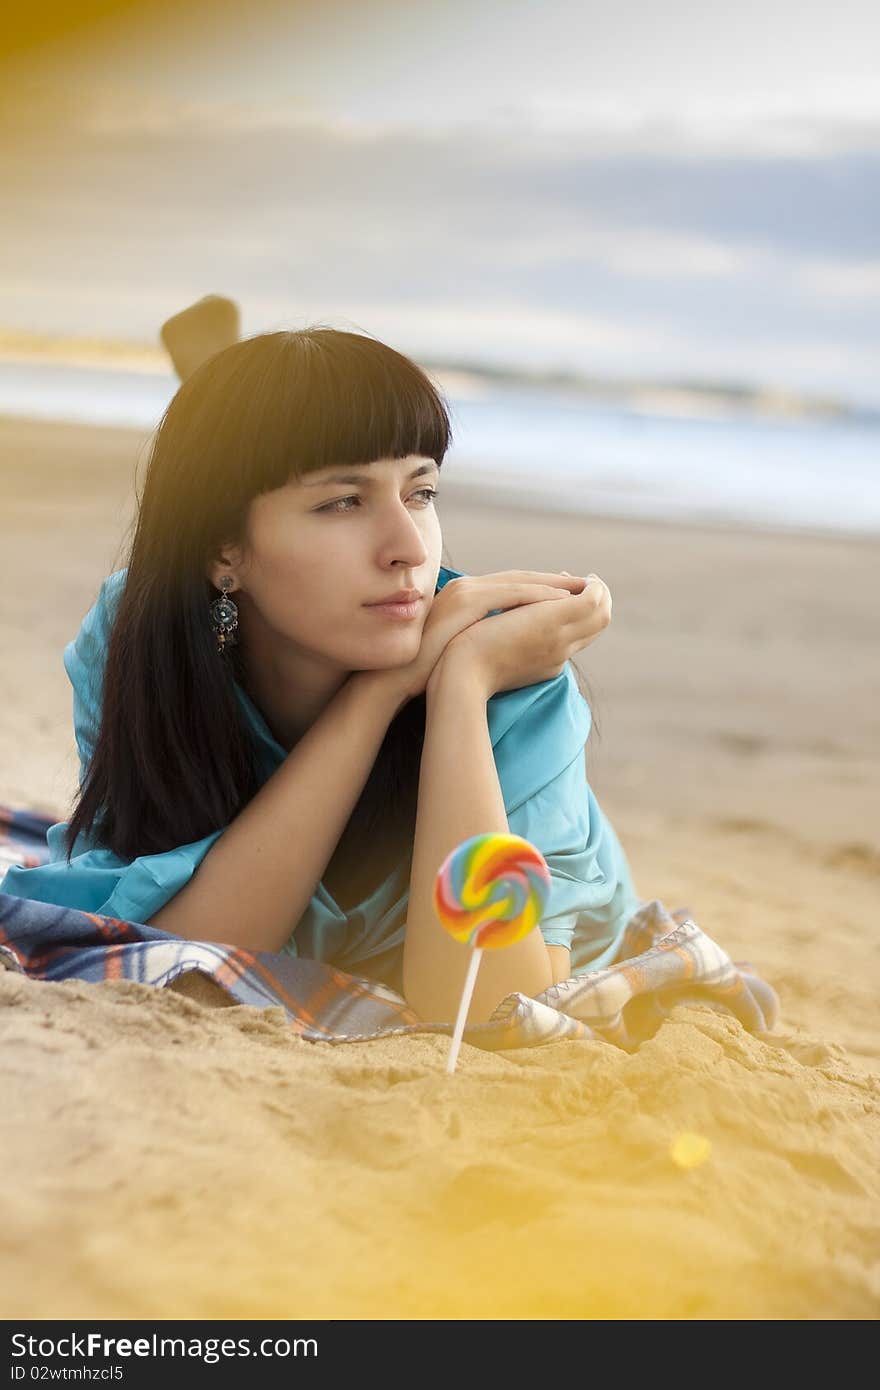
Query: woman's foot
195 334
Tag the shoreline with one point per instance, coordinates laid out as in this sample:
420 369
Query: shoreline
482 491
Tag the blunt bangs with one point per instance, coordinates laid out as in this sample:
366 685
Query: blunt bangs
278 406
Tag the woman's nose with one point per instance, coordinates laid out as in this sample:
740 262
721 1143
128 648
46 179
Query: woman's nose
405 540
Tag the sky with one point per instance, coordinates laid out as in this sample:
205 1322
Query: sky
680 192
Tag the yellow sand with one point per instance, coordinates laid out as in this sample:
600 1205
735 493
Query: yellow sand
165 1158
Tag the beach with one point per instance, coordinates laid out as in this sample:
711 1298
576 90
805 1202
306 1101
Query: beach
166 1158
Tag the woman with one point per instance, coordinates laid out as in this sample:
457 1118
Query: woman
245 705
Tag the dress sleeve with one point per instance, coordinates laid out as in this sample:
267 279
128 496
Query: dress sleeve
540 758
97 880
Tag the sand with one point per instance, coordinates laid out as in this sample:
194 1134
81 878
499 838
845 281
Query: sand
166 1158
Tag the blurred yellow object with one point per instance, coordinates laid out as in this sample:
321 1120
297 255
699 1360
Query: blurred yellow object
197 332
689 1150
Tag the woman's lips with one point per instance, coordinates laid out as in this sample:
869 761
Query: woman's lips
396 610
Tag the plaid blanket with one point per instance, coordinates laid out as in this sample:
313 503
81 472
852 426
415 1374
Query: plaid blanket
665 959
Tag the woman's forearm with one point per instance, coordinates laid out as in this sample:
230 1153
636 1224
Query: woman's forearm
459 796
256 881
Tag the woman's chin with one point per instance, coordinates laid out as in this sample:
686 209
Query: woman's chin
387 655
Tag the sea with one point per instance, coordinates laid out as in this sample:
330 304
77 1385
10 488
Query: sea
684 458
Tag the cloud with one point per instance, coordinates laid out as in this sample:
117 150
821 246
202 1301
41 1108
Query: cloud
840 280
602 129
773 123
648 252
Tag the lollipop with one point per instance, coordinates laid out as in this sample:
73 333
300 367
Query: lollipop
488 893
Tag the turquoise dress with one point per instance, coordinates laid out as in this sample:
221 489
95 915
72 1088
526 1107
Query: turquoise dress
538 734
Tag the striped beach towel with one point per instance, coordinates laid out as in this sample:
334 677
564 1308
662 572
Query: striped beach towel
665 960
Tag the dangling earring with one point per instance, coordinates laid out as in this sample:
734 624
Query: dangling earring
224 617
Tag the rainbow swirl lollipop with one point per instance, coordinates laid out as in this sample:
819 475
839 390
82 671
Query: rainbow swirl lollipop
491 890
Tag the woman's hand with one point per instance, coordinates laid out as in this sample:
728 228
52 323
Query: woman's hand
463 602
532 643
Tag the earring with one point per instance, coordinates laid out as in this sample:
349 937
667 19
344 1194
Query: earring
224 617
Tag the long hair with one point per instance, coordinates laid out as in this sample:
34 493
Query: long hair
174 759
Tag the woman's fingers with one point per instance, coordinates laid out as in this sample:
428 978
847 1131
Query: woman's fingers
591 616
478 595
532 589
556 579
563 581
589 612
591 588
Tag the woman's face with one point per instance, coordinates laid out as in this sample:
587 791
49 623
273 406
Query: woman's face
318 550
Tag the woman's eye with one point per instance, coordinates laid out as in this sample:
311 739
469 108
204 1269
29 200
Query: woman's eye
429 493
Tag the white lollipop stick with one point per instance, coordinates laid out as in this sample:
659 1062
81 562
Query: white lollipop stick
463 1007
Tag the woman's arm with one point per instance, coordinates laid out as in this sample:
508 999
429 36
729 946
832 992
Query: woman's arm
459 796
255 883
